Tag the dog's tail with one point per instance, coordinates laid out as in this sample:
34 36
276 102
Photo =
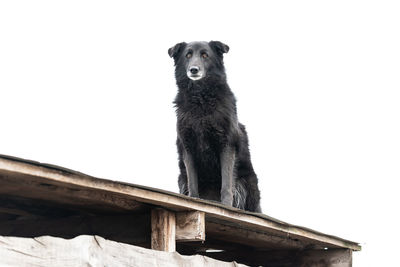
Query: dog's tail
253 197
246 194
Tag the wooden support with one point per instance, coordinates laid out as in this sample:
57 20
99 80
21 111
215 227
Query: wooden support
163 225
190 226
33 191
30 187
251 237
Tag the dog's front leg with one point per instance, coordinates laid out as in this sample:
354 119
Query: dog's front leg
191 174
227 165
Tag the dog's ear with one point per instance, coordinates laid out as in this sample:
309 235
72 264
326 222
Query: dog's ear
219 47
176 50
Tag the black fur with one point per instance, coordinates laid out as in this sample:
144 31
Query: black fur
209 134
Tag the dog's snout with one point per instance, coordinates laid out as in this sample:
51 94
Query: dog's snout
194 70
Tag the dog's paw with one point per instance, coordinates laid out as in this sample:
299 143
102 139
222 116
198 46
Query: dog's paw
228 201
194 195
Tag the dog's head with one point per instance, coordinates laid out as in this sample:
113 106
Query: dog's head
199 59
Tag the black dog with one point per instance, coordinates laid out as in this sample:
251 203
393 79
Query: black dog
214 157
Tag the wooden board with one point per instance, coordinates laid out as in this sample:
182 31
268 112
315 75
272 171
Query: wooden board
40 182
91 251
190 226
163 228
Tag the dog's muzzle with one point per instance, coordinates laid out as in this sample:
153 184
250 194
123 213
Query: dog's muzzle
194 73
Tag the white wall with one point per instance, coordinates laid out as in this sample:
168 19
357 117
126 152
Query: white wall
89 85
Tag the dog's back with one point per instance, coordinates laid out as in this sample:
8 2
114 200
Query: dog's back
214 158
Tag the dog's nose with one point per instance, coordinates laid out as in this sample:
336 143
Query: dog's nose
194 70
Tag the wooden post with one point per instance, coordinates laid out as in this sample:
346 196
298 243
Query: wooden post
190 226
163 230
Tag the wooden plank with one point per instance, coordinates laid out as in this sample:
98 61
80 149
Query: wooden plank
11 211
25 172
27 207
34 187
163 225
190 226
251 237
91 251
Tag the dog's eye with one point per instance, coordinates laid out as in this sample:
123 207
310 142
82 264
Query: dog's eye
189 55
204 55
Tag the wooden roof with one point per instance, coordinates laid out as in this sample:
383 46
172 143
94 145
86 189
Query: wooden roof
31 189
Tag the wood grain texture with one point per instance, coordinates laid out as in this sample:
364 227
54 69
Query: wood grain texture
251 237
38 181
27 186
163 230
190 226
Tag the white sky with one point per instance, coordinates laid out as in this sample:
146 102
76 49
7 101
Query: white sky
88 85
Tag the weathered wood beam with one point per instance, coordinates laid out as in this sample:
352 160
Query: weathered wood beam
190 226
252 238
163 230
26 207
11 211
56 184
69 194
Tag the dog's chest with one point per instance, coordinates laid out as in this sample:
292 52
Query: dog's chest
202 132
208 126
